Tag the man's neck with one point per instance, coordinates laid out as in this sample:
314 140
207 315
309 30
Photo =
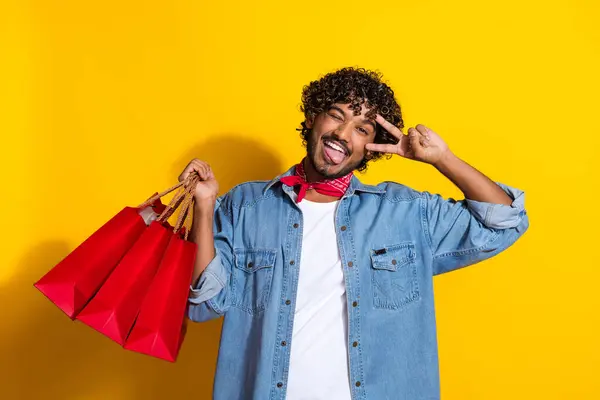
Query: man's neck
312 175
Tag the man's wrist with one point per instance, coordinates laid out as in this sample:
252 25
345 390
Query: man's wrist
445 161
206 205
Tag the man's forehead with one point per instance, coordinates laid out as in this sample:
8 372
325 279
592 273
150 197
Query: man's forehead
347 107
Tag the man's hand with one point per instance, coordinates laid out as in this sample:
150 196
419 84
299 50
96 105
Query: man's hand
208 188
202 227
421 143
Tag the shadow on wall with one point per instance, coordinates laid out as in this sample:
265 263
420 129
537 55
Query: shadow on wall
46 355
234 160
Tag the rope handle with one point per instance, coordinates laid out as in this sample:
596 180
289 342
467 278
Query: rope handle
172 206
159 195
175 201
183 199
188 221
187 206
166 192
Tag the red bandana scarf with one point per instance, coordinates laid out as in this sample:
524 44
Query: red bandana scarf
330 187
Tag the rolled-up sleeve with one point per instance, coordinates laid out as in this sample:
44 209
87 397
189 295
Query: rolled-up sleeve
208 299
462 233
211 282
500 216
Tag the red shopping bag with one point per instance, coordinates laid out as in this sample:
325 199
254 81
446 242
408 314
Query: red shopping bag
74 280
160 326
114 308
112 311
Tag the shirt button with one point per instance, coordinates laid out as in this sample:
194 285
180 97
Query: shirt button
279 384
250 264
296 225
394 262
357 384
288 302
354 344
350 263
292 262
283 343
354 303
343 228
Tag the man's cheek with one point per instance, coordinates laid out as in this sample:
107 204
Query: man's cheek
358 154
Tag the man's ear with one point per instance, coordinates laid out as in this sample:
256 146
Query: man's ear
310 120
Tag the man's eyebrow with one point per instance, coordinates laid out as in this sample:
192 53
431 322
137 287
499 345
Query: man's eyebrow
370 122
336 108
364 121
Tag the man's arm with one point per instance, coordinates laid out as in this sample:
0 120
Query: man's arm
212 232
202 235
473 184
460 233
423 144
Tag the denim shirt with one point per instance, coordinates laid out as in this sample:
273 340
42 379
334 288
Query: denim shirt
391 239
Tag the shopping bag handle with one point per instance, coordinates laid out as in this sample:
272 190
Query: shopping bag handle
184 220
163 194
185 194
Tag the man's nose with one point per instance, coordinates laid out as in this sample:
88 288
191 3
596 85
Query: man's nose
344 132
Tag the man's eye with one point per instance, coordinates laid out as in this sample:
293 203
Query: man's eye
335 116
363 131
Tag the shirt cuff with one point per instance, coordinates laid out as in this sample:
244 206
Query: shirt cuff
500 216
211 282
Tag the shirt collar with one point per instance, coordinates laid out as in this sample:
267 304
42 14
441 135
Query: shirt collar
355 185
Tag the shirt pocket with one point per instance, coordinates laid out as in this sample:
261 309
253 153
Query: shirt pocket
394 276
251 278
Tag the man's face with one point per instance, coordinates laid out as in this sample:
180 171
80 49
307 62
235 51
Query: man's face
336 143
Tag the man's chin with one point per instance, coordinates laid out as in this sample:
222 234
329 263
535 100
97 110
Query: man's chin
329 170
334 171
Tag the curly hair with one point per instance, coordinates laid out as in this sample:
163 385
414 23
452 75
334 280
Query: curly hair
354 86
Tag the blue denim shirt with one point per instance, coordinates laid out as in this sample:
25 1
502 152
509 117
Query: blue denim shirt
392 240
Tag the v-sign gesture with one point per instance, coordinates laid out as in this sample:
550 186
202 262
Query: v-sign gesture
421 143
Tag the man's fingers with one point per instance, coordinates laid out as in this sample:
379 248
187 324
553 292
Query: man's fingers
200 167
203 170
388 126
422 129
414 138
382 148
197 165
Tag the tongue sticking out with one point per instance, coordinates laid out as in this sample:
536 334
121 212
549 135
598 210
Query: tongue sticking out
334 155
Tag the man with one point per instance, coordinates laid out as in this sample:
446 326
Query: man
325 283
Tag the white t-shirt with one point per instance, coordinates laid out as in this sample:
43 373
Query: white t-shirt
319 348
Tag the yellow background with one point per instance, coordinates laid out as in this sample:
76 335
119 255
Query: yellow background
103 103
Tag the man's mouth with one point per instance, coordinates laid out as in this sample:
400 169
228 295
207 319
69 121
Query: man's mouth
334 151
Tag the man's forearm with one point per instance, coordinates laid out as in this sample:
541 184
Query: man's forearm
202 235
474 185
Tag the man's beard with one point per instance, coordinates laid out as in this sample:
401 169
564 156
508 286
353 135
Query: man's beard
311 149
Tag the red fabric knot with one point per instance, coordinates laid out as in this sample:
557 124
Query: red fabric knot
329 187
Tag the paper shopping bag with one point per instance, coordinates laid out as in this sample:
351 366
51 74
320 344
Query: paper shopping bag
114 308
74 280
160 327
